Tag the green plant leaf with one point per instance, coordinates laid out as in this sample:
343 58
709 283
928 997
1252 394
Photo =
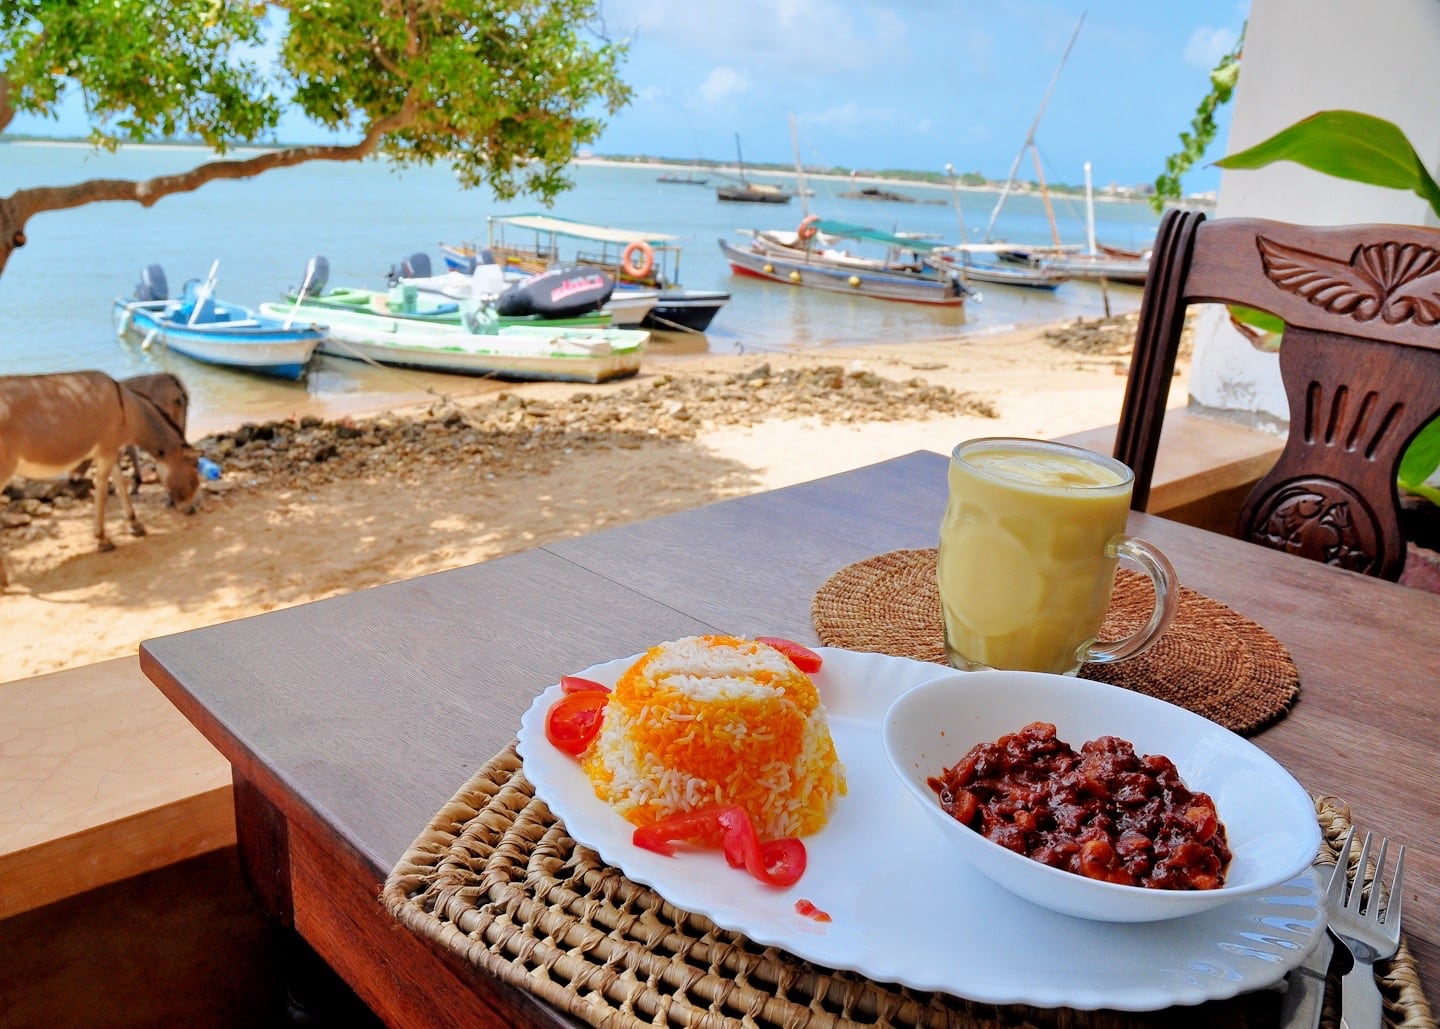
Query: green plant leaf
1421 460
1346 145
1262 320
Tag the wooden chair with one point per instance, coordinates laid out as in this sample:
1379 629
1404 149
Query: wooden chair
1360 362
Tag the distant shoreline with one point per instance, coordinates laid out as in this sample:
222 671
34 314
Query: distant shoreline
919 181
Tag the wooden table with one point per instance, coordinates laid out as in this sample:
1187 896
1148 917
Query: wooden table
351 721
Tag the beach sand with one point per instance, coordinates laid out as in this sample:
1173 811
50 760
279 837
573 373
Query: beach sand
296 518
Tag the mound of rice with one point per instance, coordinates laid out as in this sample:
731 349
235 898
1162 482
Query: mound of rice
717 720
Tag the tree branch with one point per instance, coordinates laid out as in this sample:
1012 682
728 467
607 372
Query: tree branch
24 203
7 113
18 208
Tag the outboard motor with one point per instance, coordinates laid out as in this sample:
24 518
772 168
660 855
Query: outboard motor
558 293
416 266
317 276
152 284
487 282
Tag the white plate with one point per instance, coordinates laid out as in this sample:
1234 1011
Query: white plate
904 911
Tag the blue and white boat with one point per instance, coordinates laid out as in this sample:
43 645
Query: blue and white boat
205 329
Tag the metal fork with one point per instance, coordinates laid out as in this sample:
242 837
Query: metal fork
1372 936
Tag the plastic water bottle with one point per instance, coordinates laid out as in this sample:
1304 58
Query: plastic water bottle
209 469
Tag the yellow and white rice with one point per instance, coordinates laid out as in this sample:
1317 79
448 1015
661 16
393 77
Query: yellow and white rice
711 720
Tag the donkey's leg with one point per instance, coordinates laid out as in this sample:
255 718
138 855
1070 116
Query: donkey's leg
134 454
103 467
6 470
133 523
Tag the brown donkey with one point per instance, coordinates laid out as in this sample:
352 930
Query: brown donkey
51 423
165 391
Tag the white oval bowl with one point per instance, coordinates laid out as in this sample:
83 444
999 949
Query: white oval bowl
1269 819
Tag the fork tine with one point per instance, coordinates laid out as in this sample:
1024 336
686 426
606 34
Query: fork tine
1396 897
1357 888
1372 906
1335 888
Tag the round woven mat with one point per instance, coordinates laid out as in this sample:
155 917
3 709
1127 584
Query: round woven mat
1210 660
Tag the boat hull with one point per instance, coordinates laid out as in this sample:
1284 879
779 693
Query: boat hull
853 281
1019 277
1078 265
431 309
515 352
264 346
1124 272
629 308
739 195
685 310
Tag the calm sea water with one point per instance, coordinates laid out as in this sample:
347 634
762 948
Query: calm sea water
56 292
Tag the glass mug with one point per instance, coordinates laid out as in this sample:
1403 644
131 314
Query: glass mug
1032 534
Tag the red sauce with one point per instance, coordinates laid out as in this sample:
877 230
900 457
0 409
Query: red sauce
1105 812
809 910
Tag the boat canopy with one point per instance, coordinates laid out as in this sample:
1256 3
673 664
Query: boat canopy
550 224
851 231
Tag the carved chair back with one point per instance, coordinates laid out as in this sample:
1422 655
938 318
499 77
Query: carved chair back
1360 362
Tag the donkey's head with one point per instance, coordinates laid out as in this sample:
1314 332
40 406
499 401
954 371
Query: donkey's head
180 475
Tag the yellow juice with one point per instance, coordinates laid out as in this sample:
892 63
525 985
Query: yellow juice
1025 570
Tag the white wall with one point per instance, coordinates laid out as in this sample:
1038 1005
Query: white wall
1379 57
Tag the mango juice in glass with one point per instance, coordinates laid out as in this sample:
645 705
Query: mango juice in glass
1028 549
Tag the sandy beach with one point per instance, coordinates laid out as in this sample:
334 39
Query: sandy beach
310 508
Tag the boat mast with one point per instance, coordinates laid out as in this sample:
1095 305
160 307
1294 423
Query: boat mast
1089 213
799 170
739 157
1029 143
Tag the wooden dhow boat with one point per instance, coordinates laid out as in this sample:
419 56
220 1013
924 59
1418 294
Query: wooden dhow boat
809 257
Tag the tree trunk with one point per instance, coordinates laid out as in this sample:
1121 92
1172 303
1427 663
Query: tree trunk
12 231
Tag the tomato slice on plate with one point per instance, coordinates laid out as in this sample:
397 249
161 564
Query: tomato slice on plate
801 656
774 862
579 684
574 720
701 827
784 861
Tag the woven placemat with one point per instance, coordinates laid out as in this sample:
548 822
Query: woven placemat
1210 660
496 880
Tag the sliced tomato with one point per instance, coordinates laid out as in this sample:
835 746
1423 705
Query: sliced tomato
809 910
774 862
700 827
802 657
784 861
578 684
574 720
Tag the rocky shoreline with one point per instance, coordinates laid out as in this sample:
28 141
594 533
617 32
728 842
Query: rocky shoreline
517 433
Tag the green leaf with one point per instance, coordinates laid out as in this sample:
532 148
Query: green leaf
1346 145
1262 320
1422 459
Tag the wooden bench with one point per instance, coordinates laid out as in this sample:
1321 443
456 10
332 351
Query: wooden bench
101 779
1204 469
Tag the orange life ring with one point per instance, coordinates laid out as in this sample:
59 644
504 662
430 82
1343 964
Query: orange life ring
807 229
646 263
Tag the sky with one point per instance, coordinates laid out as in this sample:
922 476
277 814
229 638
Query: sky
909 84
918 84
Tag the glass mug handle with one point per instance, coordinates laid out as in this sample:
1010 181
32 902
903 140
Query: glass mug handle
1167 597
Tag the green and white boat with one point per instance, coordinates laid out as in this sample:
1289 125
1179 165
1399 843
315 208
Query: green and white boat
516 352
411 304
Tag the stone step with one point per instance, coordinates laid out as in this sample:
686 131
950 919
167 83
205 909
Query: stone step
101 779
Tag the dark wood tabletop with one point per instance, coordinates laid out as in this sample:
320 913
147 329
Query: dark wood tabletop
349 722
